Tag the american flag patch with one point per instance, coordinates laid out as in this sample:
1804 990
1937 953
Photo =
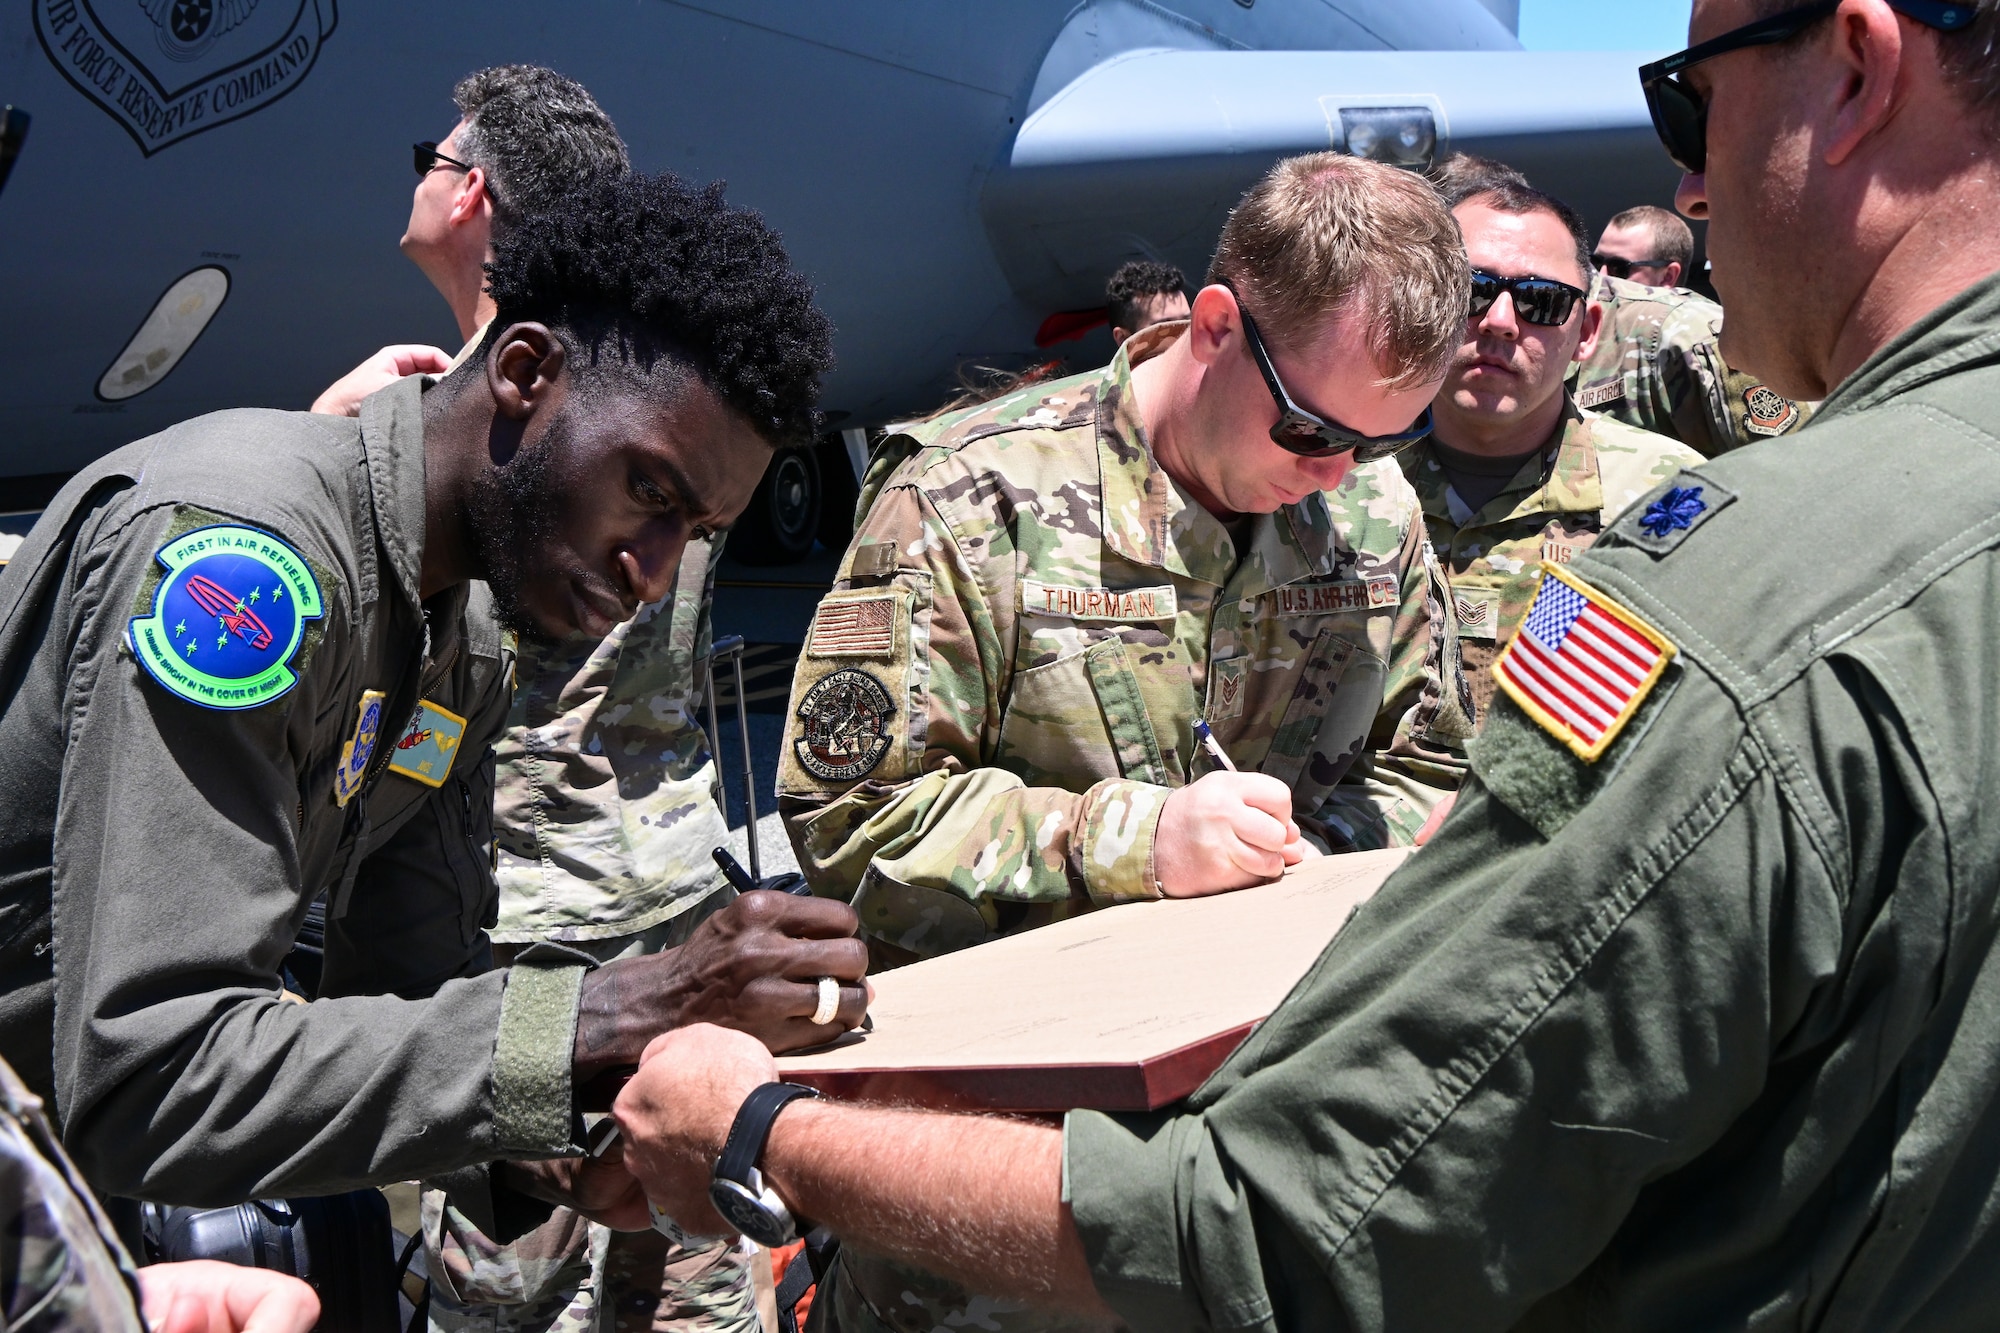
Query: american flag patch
865 627
1581 664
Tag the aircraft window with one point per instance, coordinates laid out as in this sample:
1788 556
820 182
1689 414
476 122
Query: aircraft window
1404 136
177 319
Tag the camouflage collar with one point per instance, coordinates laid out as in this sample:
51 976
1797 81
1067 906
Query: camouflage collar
1147 519
1567 483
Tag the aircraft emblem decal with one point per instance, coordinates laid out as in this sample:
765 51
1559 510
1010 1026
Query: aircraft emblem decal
167 69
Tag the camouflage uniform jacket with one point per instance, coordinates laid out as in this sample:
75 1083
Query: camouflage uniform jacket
1657 366
998 695
61 1266
606 803
1592 468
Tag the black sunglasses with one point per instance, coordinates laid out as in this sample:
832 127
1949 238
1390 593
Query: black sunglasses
1622 268
1309 436
428 156
1536 300
1680 114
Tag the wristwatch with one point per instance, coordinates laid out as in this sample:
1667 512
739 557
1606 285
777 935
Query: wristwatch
737 1187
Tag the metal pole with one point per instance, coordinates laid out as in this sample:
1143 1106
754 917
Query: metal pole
732 648
749 772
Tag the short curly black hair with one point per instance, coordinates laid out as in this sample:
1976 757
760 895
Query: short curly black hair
638 267
1134 286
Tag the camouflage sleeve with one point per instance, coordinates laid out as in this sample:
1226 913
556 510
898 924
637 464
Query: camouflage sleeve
885 779
606 807
1691 378
1416 752
61 1266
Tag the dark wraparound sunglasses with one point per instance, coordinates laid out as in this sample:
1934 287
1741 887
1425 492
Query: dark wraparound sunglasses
1680 114
1310 436
1536 300
1622 268
428 157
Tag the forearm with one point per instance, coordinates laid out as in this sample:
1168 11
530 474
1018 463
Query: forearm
974 1198
980 838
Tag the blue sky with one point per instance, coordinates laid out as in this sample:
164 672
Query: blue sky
1604 25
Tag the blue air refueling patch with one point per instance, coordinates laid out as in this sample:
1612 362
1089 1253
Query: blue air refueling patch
227 617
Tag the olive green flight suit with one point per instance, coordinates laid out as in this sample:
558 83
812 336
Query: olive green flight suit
159 844
1696 1035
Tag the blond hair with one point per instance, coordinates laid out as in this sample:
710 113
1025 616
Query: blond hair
1322 228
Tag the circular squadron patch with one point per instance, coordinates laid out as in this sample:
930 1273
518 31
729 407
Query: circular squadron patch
846 726
227 617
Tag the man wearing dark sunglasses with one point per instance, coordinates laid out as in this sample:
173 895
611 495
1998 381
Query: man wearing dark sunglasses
1514 473
993 721
1690 1030
1657 364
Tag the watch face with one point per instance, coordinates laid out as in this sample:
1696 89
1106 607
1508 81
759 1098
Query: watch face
748 1213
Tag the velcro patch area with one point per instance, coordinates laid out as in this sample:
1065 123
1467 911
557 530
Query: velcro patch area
1119 604
1581 664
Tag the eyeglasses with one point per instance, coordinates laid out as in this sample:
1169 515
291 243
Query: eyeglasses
1680 114
1622 268
1310 436
1536 300
428 157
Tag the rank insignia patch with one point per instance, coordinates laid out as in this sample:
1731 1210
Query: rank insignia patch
359 749
846 720
1581 664
1225 687
428 745
1478 613
227 618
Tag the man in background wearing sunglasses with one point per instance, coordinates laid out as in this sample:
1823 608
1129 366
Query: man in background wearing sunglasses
1657 363
992 724
605 814
1515 473
1689 1030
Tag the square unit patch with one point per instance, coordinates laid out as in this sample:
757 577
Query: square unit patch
428 746
1581 664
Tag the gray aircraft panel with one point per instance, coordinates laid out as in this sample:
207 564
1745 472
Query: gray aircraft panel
880 136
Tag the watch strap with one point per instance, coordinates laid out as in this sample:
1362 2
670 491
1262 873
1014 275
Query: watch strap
752 1127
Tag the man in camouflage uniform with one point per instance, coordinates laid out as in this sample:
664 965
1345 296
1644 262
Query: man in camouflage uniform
992 721
1657 366
606 811
1515 474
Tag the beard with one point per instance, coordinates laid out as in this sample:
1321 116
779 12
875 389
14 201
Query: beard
514 512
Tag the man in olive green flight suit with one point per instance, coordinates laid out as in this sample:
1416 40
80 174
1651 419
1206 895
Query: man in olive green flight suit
1690 1029
246 662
